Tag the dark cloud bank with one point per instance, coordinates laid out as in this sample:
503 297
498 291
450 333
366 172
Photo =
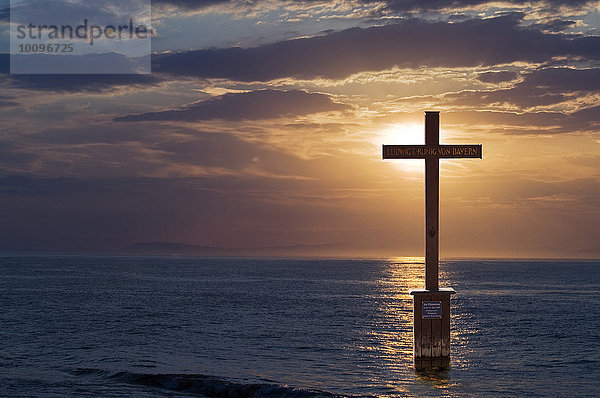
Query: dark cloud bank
395 5
73 82
254 105
413 43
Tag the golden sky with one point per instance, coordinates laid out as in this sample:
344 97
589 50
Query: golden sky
262 124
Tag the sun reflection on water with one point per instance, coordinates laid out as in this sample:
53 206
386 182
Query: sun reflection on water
438 378
392 336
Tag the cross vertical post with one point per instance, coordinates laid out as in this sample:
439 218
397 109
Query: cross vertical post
432 202
431 305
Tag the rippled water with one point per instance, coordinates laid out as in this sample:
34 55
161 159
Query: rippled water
145 327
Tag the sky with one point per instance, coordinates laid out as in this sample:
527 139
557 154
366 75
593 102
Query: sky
262 122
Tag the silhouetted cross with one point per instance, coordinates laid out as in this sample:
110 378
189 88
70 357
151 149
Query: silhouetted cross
432 151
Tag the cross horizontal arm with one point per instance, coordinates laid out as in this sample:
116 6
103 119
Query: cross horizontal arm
431 151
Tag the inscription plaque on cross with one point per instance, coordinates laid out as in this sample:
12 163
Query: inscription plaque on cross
431 332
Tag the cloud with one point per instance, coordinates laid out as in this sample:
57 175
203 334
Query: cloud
58 12
92 134
528 123
94 63
80 83
546 86
73 82
497 77
85 153
194 4
413 43
7 101
564 79
555 25
253 105
419 5
14 156
394 5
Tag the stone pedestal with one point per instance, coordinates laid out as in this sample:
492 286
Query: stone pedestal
431 327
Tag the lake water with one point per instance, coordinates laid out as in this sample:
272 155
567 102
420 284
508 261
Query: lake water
162 326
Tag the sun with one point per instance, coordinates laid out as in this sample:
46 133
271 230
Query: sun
402 134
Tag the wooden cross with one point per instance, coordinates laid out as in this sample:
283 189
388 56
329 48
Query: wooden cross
432 151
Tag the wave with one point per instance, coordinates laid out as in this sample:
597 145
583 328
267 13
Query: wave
206 386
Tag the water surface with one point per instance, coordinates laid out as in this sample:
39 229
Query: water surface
146 327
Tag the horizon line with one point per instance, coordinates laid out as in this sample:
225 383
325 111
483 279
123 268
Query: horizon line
421 259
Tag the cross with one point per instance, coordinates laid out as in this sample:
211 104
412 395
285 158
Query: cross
432 151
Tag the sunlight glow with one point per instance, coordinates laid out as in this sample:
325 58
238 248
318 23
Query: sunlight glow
403 134
400 134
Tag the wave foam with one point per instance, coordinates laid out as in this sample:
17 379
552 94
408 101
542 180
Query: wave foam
206 385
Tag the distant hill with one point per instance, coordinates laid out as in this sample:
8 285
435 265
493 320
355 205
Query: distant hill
172 248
